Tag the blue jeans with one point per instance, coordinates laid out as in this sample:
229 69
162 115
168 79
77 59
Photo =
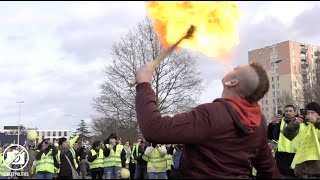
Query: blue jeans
44 176
112 172
160 175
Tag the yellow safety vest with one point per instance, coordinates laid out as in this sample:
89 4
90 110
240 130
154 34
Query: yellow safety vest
46 163
134 147
128 159
3 168
57 170
98 162
284 144
307 145
74 157
114 158
254 171
155 160
169 161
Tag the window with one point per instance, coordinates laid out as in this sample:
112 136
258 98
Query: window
277 78
59 133
272 86
278 85
295 83
267 103
48 133
296 91
262 109
53 133
273 100
278 93
273 93
267 109
65 133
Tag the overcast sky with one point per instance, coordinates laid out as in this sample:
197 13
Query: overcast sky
53 53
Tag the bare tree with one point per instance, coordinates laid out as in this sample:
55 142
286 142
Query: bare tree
287 98
176 81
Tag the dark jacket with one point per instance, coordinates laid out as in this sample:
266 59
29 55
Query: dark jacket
307 168
140 161
106 153
213 147
80 152
65 168
283 159
273 131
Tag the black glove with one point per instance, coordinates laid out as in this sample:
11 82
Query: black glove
95 156
154 145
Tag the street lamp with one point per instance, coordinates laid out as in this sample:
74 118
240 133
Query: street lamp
19 102
274 80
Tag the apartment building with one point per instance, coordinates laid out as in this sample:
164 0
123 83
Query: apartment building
291 66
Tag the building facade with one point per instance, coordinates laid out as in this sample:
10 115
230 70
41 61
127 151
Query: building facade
9 135
292 67
54 135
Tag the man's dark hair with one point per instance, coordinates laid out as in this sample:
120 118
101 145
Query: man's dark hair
263 86
290 105
112 135
95 144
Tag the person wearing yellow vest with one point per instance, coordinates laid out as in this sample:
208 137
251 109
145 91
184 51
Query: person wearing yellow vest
95 159
157 163
115 157
169 159
64 152
142 161
79 151
133 162
44 159
3 167
306 162
285 152
127 148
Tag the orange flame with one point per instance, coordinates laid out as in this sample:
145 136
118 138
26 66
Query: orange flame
216 24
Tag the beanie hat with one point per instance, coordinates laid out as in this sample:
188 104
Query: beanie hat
314 107
61 140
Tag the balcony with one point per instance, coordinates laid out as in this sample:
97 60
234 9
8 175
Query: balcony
317 53
304 64
303 50
304 72
317 59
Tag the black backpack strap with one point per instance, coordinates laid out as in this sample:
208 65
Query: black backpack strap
234 115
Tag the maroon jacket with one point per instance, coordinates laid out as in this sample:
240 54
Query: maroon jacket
213 148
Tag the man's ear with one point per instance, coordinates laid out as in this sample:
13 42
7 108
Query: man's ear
232 83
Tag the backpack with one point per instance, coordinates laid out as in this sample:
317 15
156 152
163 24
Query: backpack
177 159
